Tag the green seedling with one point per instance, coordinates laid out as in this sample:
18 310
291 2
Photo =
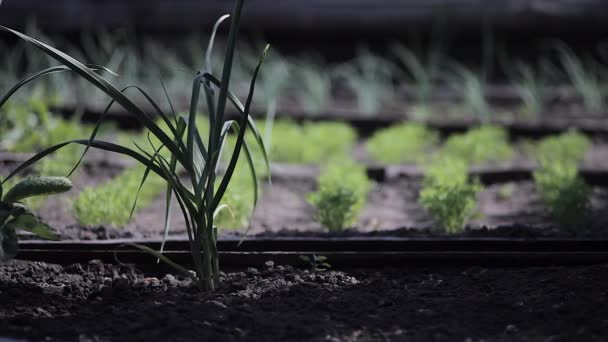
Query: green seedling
314 92
479 145
341 194
199 185
14 215
316 263
568 148
423 72
473 90
448 195
564 193
406 142
532 88
369 77
585 77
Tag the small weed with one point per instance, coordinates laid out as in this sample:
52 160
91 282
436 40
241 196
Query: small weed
315 263
407 142
342 193
448 195
479 145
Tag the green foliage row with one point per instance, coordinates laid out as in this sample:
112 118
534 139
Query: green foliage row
406 142
342 189
309 142
569 147
448 194
479 145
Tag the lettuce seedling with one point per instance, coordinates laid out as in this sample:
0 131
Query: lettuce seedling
342 193
479 145
564 193
448 195
112 202
406 142
310 142
15 215
566 148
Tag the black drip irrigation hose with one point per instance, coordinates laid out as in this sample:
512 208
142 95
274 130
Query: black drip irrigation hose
340 252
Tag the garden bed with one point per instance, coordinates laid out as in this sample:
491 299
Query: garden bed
509 200
102 302
365 125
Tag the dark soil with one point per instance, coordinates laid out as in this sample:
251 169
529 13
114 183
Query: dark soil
100 302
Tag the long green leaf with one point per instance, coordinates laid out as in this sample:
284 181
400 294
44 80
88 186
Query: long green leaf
240 138
42 73
250 122
228 57
211 41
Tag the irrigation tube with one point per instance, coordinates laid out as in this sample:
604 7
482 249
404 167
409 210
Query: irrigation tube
341 252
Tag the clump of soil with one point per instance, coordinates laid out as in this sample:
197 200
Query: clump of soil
101 302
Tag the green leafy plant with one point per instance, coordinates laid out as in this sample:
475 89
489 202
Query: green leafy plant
448 195
369 77
532 88
479 145
112 202
328 140
14 215
316 263
564 193
566 148
585 77
473 90
423 71
406 142
342 192
198 194
314 92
